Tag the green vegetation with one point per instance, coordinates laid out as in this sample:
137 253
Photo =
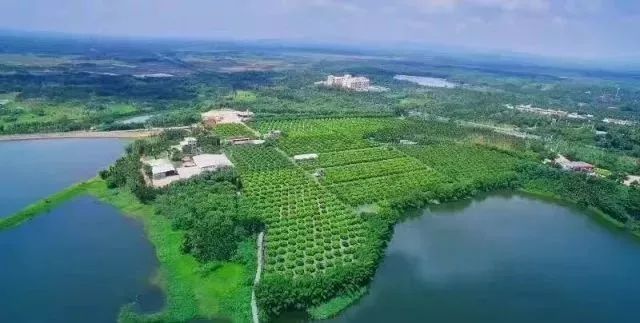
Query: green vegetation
251 159
475 166
388 187
313 239
210 212
320 251
194 289
614 200
336 305
244 97
324 135
42 206
347 157
233 130
366 170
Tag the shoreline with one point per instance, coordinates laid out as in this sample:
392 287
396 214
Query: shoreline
43 205
192 290
594 213
115 134
187 301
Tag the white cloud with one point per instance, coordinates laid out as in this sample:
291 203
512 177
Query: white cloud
555 27
451 5
340 6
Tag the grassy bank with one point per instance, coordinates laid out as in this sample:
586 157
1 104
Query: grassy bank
193 289
42 206
336 305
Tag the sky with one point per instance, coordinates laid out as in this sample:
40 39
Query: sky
590 29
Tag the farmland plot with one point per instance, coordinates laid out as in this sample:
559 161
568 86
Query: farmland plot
320 144
326 127
466 163
348 157
353 172
258 158
233 130
375 189
309 229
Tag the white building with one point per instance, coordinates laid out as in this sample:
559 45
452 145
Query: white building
212 162
348 82
163 170
164 173
305 157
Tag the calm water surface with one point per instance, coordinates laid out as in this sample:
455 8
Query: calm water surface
82 261
79 263
32 170
504 259
426 81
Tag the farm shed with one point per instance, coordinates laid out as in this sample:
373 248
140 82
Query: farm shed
163 170
305 157
212 162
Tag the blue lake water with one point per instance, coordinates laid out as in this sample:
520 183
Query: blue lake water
426 81
505 258
32 170
80 262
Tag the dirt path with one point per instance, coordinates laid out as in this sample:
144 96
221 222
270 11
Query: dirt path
256 281
133 134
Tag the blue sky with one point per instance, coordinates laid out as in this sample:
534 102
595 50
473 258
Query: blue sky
562 28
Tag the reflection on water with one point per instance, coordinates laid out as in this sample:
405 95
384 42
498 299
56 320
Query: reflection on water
35 169
504 259
80 263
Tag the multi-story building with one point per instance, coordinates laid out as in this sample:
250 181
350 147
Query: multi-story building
348 82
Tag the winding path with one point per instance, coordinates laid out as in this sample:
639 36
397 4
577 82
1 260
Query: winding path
256 281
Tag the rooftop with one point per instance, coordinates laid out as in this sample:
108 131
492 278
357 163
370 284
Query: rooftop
305 156
155 162
162 168
212 160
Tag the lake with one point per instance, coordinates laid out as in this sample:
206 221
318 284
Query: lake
80 262
425 81
504 258
35 169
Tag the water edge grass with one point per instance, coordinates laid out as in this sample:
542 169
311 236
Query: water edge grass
42 206
193 290
336 305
